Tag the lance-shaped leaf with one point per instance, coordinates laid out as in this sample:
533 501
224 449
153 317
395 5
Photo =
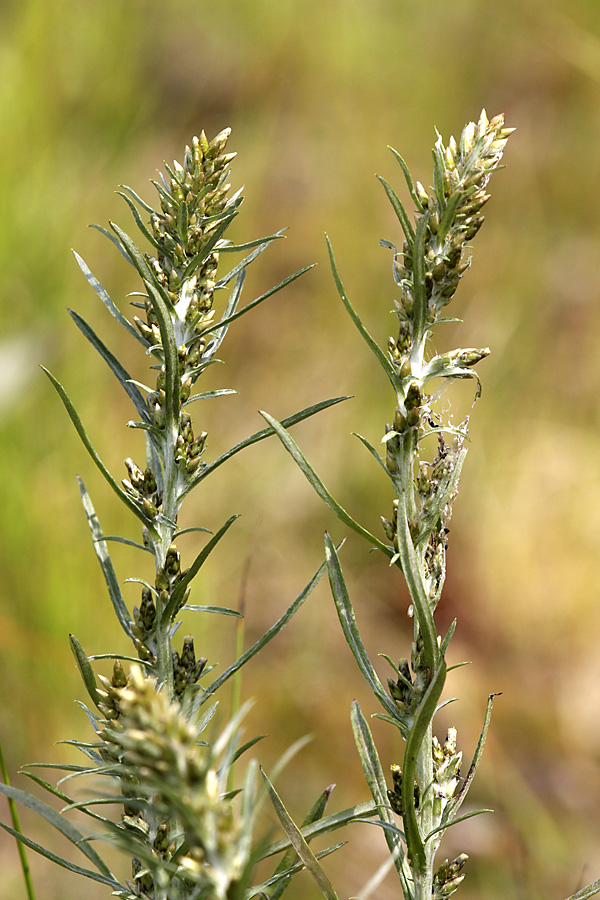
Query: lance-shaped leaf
179 590
419 288
409 181
300 845
260 248
376 781
253 303
259 436
425 714
349 627
101 551
121 374
92 451
267 636
59 822
85 669
64 863
371 342
103 294
138 221
407 228
293 449
455 804
324 826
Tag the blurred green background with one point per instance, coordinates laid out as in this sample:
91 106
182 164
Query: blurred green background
96 93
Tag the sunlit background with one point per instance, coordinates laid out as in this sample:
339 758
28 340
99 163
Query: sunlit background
96 94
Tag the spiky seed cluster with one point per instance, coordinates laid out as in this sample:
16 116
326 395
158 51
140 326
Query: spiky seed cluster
177 776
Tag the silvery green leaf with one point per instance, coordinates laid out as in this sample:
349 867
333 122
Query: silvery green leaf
138 221
85 669
409 181
300 845
407 228
103 294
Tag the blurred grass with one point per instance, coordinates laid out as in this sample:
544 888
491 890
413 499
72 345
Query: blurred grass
97 94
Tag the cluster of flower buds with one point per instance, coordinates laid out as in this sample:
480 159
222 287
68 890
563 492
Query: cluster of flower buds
189 449
446 770
395 793
108 693
448 877
462 171
186 668
142 487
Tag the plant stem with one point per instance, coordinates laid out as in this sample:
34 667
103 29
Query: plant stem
17 826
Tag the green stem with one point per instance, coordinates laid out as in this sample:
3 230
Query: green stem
17 826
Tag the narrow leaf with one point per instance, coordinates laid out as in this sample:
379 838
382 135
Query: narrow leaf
65 864
105 561
253 303
455 804
300 845
409 181
179 590
420 292
85 669
407 228
208 395
59 822
247 260
91 450
323 826
376 781
267 636
292 447
469 815
123 377
350 629
223 610
371 342
171 360
138 221
14 816
259 436
585 893
104 296
114 241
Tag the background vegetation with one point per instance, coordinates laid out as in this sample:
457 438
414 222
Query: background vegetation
95 94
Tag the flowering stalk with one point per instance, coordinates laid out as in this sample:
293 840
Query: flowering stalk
425 792
186 830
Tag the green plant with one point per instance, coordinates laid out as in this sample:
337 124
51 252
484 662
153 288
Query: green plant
155 756
424 454
186 827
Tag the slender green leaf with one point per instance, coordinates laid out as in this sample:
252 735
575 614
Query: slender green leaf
253 303
350 628
373 452
398 206
585 893
323 826
85 669
371 342
171 360
292 447
91 450
248 259
448 216
376 781
59 822
425 713
286 874
65 864
420 292
267 636
438 171
300 845
223 610
181 531
218 335
409 181
114 241
123 377
134 253
103 294
139 222
105 561
117 539
179 590
208 395
457 802
259 436
469 815
138 199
